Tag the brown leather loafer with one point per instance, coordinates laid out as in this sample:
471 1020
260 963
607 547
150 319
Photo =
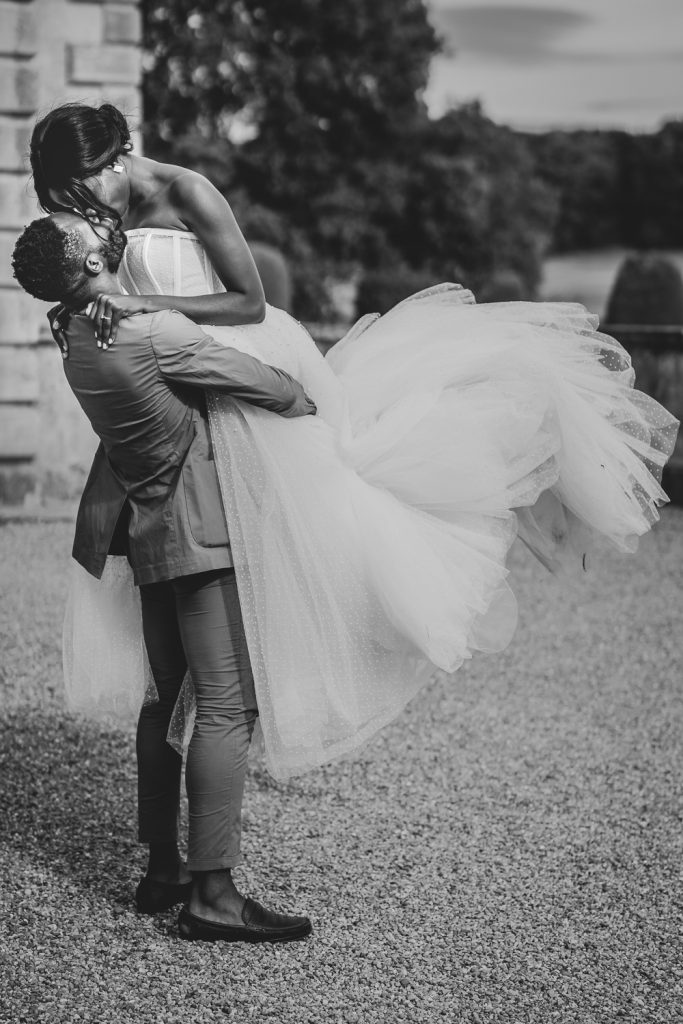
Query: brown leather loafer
260 925
153 897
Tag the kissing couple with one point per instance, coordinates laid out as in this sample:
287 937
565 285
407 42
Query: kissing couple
312 570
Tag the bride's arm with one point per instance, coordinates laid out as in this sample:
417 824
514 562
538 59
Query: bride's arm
204 211
202 208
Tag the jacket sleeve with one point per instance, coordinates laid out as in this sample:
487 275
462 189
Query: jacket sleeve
186 355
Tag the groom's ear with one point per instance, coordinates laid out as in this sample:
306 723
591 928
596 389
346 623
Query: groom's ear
94 264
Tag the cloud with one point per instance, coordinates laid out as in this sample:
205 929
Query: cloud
607 63
627 104
509 33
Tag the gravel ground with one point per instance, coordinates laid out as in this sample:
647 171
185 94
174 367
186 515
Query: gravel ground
510 850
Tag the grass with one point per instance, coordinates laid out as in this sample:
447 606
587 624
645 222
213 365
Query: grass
508 851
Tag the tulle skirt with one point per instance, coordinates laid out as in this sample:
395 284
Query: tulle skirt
370 542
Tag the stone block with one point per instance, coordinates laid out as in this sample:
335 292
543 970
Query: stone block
14 144
95 64
61 22
90 95
18 205
18 483
122 24
18 374
21 317
18 34
18 87
19 431
67 441
7 239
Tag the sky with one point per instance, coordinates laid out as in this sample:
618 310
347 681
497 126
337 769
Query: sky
562 63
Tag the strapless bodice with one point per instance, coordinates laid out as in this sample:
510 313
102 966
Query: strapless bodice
164 261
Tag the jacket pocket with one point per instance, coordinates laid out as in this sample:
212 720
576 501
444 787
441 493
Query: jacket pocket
204 504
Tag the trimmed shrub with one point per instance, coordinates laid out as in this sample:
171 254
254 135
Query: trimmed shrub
379 290
504 286
648 289
274 273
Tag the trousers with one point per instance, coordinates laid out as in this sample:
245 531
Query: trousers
195 622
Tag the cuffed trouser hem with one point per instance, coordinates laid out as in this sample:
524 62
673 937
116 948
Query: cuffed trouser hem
220 864
147 837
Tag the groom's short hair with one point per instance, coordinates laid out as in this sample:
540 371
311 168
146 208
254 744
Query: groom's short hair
48 262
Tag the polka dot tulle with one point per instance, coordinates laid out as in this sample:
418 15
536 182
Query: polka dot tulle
370 542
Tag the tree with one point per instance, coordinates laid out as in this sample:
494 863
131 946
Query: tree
309 116
653 169
318 99
613 188
583 169
475 201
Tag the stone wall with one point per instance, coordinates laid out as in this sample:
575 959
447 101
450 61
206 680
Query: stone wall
51 52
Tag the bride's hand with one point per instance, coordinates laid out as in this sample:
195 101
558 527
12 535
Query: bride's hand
58 318
107 311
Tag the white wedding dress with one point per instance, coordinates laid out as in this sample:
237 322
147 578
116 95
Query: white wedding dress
370 541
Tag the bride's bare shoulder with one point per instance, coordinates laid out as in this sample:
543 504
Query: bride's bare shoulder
186 199
184 185
199 204
171 183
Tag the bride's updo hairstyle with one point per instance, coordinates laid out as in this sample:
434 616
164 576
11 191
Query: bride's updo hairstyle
72 143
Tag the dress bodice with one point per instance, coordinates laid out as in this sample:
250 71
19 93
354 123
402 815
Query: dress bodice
164 261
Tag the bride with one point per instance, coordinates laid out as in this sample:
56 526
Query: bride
370 542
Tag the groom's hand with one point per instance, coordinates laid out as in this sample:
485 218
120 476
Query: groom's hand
310 407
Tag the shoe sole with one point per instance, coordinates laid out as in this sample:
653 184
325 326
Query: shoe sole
226 933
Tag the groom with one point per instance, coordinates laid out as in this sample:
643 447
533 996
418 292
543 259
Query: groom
153 494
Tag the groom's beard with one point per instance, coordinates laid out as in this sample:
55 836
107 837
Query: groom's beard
113 248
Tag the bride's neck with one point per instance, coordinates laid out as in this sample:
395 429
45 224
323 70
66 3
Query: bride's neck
145 180
148 203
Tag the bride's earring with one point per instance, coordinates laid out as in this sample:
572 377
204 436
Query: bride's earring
119 168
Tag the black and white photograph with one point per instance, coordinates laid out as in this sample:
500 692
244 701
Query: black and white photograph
341 511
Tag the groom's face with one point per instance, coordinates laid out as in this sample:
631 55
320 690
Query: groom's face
102 237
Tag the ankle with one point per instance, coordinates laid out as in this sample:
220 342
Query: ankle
211 886
163 857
